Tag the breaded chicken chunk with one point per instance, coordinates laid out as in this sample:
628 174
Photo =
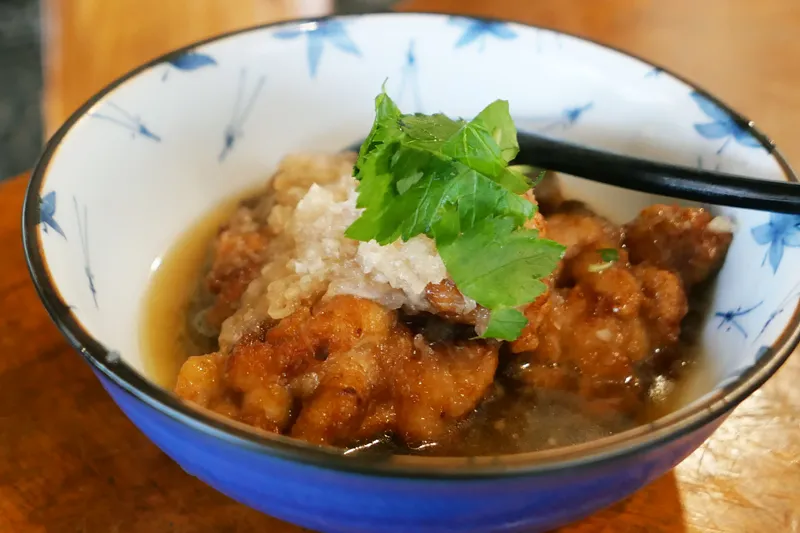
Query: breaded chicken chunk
342 372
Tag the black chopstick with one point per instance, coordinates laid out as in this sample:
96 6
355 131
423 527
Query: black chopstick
658 178
665 179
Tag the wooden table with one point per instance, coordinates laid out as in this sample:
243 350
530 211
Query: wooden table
71 462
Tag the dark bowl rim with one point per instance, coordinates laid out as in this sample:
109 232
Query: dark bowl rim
592 455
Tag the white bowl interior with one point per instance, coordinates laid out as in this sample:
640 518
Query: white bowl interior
147 161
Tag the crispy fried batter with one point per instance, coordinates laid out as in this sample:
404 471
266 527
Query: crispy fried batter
237 256
361 344
592 333
343 372
202 381
677 239
575 227
440 385
590 338
240 249
332 359
448 302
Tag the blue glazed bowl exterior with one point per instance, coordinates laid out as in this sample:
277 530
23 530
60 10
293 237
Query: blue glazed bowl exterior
334 501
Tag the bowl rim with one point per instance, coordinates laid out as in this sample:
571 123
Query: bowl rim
594 454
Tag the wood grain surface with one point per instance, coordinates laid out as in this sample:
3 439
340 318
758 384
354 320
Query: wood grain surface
71 462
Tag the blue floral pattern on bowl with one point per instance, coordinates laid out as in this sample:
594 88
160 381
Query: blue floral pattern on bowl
82 217
780 232
189 61
242 107
409 82
784 305
333 32
47 213
548 124
478 31
731 319
121 118
722 125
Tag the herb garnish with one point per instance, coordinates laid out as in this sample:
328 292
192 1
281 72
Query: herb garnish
608 256
450 180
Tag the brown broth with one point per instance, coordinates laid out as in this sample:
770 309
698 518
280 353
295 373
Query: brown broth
509 422
166 335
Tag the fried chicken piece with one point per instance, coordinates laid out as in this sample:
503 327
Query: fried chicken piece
576 227
362 344
592 337
343 372
664 305
681 239
237 257
535 312
596 333
448 302
441 384
202 381
331 360
240 248
259 370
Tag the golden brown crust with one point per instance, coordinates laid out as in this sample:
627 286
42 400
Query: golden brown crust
237 256
578 229
447 301
602 321
440 385
343 372
677 239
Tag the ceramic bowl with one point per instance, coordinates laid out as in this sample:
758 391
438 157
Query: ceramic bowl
146 157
